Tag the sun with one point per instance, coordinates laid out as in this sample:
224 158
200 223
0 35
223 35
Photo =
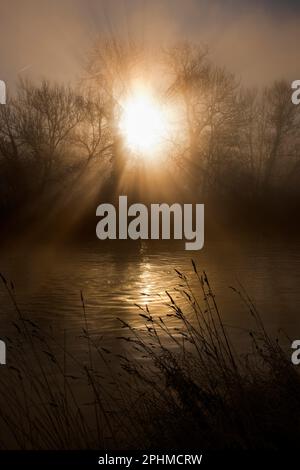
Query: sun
144 123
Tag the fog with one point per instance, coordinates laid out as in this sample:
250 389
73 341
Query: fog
43 38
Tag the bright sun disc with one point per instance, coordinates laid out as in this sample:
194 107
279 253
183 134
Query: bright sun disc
143 123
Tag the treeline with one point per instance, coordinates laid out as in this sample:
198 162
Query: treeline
49 134
237 145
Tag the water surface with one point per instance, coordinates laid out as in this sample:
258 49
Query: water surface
48 282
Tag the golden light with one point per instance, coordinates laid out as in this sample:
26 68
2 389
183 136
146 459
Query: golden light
144 123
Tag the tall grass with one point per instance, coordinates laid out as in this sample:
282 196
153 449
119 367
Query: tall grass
178 384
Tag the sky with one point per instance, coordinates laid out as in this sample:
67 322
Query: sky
259 40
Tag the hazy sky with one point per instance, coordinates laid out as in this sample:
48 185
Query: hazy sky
259 40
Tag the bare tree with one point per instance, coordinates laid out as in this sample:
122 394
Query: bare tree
110 68
47 114
269 135
92 138
283 129
210 110
12 181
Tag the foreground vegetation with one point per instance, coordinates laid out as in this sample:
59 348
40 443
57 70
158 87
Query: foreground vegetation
178 382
